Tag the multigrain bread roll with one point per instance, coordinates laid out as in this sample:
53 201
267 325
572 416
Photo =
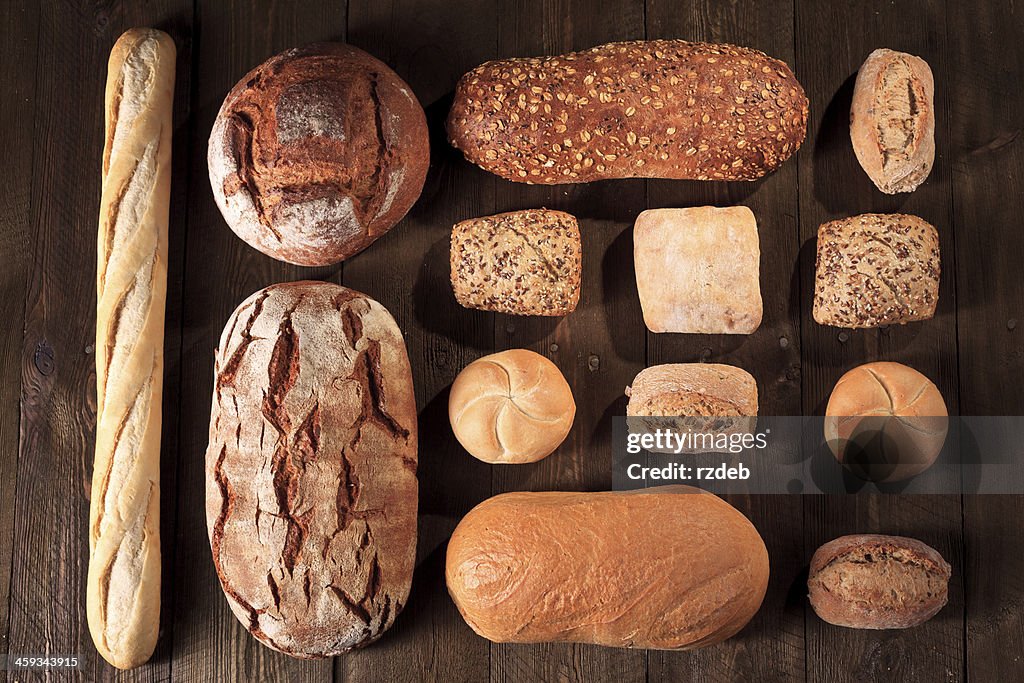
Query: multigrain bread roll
648 109
876 269
511 407
892 120
667 568
123 584
698 270
886 421
521 262
318 152
877 582
311 490
705 398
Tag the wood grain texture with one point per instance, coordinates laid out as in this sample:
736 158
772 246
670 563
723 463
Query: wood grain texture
832 185
17 242
231 38
600 346
985 122
772 645
429 45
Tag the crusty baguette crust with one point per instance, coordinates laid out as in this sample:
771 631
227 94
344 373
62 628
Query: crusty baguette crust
639 109
871 131
666 568
123 587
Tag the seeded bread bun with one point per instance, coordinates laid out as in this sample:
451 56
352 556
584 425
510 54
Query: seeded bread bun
892 120
511 407
876 269
316 153
646 109
522 262
885 421
877 582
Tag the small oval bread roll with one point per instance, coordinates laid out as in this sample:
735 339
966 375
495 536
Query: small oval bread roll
887 422
877 582
511 407
892 120
665 568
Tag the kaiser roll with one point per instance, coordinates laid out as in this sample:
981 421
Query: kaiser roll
511 407
885 421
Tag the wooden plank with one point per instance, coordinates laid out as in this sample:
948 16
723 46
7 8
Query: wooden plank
600 346
58 381
220 271
986 110
773 644
832 185
430 45
20 22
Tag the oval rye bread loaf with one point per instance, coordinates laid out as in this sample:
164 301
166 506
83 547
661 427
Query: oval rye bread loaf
667 568
318 152
647 109
311 489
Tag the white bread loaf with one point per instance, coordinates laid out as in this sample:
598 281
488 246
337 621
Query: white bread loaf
123 588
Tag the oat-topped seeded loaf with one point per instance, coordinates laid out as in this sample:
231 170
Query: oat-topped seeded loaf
876 269
522 262
317 152
648 109
892 120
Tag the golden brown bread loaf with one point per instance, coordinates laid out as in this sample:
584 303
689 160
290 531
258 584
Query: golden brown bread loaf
885 421
648 109
876 269
698 270
123 584
511 407
311 489
521 262
892 120
666 568
877 582
318 152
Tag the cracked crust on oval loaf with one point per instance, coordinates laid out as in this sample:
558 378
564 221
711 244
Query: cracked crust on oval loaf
311 490
892 120
876 269
873 581
318 152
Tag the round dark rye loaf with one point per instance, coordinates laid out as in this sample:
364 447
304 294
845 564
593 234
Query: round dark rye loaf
317 152
648 109
311 468
877 582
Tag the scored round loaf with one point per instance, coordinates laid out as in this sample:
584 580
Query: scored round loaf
873 581
892 120
317 152
885 421
665 568
311 490
511 407
638 109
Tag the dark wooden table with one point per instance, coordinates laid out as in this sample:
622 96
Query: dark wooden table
52 74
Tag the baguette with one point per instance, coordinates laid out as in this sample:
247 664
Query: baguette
123 586
640 109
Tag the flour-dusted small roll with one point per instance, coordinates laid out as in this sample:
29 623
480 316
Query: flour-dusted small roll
892 120
123 585
665 568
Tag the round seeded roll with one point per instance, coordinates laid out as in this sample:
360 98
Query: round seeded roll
317 152
511 407
885 421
